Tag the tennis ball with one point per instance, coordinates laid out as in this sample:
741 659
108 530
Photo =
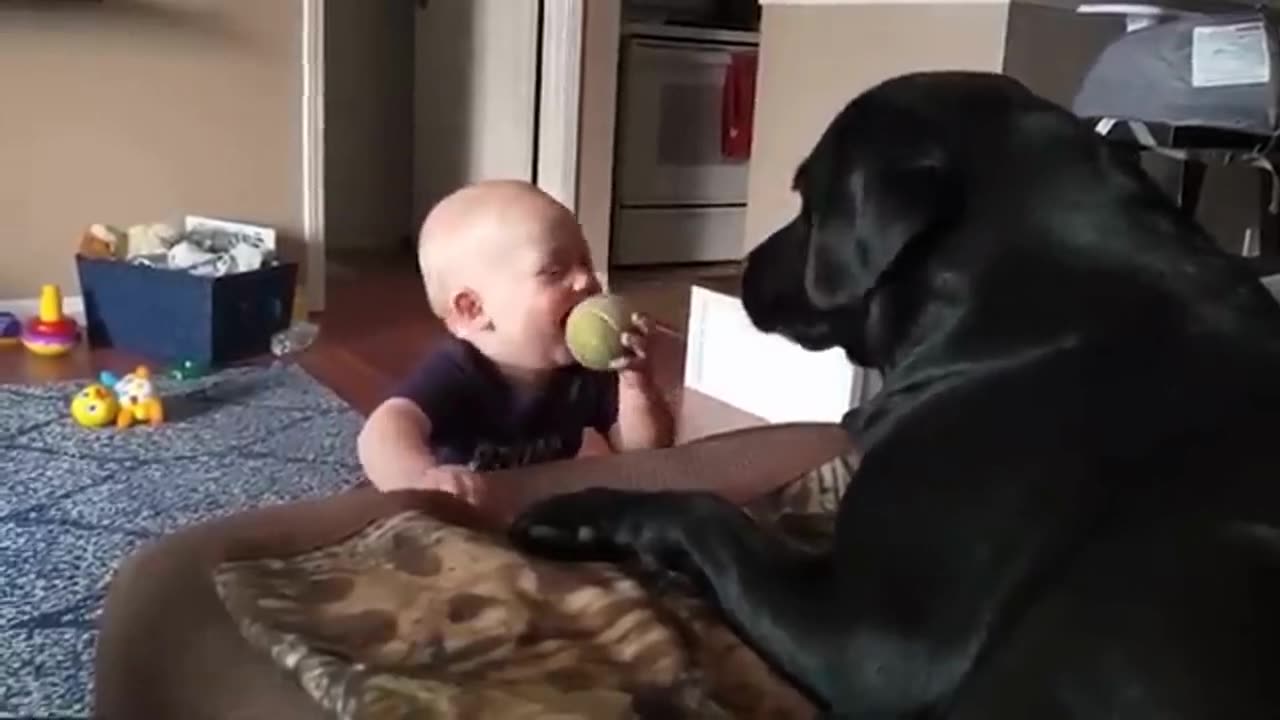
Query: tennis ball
594 330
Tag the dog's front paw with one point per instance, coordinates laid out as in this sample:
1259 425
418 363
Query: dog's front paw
595 524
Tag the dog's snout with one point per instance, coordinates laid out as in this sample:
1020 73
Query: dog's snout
766 282
774 295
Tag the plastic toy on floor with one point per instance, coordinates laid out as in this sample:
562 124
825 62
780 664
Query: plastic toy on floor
10 330
188 370
95 406
137 396
50 333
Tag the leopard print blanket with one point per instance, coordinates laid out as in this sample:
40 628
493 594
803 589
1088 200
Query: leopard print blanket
416 617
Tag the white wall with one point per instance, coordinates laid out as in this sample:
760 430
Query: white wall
474 95
130 112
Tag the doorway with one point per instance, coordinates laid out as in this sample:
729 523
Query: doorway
422 97
683 105
418 98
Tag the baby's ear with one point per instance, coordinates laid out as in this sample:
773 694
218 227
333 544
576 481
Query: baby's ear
469 310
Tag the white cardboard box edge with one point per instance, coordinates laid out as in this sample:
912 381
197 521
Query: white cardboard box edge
727 358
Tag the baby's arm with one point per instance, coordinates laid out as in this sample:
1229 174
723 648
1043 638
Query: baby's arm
644 418
392 448
395 456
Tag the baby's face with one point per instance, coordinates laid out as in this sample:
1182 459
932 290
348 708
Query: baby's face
543 273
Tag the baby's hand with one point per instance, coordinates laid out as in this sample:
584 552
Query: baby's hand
459 481
636 339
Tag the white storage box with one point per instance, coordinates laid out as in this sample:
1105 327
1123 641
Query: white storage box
727 358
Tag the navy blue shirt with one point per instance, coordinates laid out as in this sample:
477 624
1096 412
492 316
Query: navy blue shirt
479 420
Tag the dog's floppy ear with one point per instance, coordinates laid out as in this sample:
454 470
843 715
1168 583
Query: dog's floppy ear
885 205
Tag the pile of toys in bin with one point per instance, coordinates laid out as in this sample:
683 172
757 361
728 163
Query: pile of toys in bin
213 292
205 246
210 294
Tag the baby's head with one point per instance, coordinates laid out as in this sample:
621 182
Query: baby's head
503 264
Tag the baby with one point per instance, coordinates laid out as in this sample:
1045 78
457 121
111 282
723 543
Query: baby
503 264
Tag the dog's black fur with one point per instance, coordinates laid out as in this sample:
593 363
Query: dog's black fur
1069 500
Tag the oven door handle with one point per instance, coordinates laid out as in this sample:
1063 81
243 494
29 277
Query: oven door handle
717 48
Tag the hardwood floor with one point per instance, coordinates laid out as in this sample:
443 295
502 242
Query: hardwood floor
377 325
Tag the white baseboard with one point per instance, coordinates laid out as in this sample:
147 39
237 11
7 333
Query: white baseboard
72 305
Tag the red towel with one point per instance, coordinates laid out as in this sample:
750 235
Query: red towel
739 105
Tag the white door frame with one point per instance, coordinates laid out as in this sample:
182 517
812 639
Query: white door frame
313 199
579 79
559 99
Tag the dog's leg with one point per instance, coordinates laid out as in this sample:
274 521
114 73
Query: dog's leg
887 626
779 596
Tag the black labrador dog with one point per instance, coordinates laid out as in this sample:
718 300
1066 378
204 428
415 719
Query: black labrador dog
1068 503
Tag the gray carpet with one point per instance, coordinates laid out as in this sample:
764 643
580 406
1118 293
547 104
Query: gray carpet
74 501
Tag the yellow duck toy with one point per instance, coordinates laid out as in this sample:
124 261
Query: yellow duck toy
95 406
123 401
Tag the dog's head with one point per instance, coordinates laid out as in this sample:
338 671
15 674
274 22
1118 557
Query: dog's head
881 185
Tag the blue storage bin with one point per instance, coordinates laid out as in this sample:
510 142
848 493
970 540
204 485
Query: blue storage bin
170 315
